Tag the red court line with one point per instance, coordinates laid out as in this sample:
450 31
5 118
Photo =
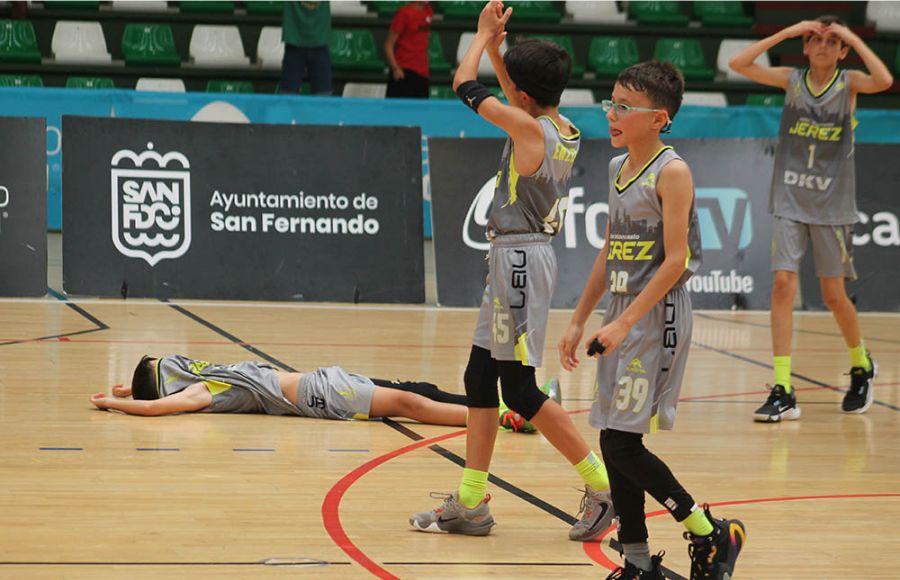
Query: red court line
332 503
594 549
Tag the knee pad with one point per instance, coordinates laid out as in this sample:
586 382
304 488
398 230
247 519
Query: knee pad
481 380
520 391
617 446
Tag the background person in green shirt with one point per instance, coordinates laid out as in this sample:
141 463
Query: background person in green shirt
306 31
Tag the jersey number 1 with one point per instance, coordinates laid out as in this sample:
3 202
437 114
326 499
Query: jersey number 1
812 156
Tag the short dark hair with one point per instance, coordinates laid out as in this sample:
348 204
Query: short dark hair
661 81
143 382
540 68
829 19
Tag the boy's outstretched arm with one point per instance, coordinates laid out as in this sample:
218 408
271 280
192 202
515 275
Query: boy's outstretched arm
879 77
590 297
676 190
774 76
523 129
194 398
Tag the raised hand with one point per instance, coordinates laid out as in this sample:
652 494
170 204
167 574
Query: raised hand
805 27
493 19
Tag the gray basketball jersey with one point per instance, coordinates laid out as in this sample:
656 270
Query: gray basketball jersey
534 204
636 243
246 387
814 178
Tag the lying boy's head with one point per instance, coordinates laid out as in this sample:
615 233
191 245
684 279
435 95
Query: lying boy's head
540 69
143 382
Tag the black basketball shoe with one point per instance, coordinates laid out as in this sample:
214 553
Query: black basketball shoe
632 572
860 395
714 556
779 405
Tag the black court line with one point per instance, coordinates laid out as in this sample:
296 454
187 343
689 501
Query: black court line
224 333
793 374
532 499
99 325
795 330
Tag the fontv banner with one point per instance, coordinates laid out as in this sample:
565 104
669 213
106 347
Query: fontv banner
732 183
224 211
23 207
876 241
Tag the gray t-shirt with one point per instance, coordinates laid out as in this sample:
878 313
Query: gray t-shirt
636 242
245 387
531 205
814 181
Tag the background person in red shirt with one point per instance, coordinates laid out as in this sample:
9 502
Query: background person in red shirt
406 49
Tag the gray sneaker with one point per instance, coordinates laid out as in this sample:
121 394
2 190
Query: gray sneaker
596 513
454 518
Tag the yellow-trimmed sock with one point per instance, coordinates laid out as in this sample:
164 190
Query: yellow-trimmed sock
472 487
697 523
593 472
859 357
782 366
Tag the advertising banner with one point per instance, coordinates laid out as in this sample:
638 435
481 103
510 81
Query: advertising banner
254 212
731 179
23 207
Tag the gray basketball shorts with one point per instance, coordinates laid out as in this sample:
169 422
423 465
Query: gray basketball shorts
512 323
832 248
333 393
638 383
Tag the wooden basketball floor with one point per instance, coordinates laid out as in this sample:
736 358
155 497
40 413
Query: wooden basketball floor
91 494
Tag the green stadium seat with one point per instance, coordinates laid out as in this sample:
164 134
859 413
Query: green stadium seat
686 54
72 4
206 6
565 42
386 8
608 55
21 81
265 7
765 99
437 62
149 44
722 13
18 42
657 12
223 86
460 9
534 10
444 92
90 83
354 50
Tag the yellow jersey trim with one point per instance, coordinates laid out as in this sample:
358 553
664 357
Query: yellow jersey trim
621 188
521 350
573 137
823 91
513 179
215 387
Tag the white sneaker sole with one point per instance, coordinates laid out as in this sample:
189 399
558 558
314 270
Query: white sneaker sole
789 415
431 528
